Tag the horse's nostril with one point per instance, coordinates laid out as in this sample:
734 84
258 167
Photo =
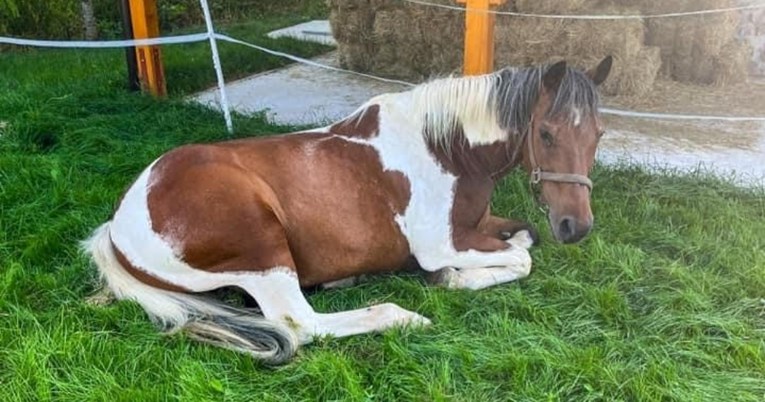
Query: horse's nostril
567 228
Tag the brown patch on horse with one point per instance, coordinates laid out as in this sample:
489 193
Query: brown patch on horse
253 210
143 276
471 200
503 229
364 124
205 187
460 159
475 168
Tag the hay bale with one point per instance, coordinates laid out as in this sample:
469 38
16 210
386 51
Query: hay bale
549 7
526 41
415 42
397 26
635 78
690 46
355 56
623 37
732 64
665 6
348 5
522 42
351 25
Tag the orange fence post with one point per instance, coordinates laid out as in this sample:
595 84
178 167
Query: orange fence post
145 21
479 36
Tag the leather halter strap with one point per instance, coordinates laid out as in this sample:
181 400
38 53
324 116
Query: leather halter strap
538 175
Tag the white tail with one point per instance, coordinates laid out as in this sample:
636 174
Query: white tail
201 318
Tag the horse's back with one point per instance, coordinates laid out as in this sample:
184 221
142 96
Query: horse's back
316 202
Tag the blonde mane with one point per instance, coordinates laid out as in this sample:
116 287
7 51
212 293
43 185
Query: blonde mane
496 107
466 104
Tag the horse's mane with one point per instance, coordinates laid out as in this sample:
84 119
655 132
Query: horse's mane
497 104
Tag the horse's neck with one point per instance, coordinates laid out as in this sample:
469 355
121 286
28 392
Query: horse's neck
474 145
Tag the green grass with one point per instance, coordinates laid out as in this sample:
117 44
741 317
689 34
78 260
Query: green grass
664 301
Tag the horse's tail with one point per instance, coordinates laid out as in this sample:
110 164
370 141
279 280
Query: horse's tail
201 318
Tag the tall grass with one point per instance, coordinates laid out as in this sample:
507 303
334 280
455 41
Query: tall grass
664 301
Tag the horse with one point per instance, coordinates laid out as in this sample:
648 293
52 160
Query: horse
407 176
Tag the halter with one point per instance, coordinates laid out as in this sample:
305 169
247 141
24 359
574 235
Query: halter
537 174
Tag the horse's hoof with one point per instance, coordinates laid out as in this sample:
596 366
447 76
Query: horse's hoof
530 231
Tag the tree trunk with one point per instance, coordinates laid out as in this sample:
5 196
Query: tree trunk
89 20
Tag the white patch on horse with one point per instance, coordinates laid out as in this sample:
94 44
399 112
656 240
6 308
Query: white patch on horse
577 117
426 222
278 294
480 278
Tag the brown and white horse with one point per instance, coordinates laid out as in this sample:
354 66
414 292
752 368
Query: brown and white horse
408 176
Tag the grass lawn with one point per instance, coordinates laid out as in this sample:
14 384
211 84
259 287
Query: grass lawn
664 301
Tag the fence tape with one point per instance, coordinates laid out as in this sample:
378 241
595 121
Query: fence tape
617 112
201 37
589 17
88 44
307 61
672 116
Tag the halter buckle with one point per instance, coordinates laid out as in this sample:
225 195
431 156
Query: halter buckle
536 175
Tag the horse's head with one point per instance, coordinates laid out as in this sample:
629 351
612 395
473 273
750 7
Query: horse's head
559 148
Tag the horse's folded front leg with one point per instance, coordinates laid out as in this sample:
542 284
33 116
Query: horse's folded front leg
476 278
505 229
506 265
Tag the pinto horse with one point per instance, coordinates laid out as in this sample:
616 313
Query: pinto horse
407 177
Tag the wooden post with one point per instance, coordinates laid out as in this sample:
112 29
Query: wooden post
479 36
145 21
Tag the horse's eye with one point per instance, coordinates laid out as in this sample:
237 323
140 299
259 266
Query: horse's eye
547 138
601 133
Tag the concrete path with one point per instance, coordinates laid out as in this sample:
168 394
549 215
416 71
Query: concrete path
300 94
314 31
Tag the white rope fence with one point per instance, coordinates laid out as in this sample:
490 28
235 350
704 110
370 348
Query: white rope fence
212 36
589 17
106 44
217 66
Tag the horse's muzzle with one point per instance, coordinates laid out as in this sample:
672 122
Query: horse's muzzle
568 229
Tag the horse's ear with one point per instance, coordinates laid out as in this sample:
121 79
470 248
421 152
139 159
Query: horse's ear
554 75
600 73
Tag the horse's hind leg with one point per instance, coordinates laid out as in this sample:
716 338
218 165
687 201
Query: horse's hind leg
276 288
279 296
